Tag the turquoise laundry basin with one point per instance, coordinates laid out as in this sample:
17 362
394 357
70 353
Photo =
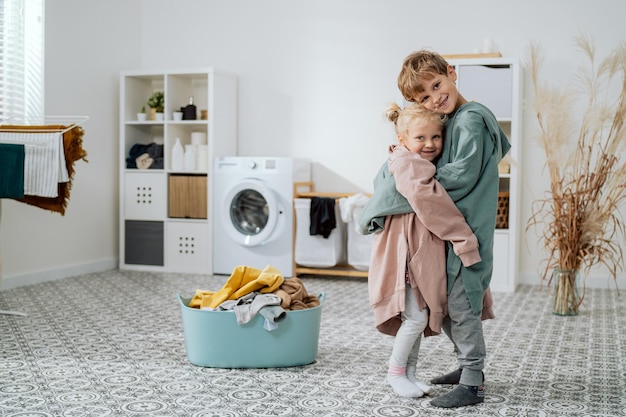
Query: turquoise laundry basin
214 339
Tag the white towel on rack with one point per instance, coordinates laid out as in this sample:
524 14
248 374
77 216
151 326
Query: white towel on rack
44 162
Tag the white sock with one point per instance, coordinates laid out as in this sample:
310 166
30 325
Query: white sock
410 374
400 383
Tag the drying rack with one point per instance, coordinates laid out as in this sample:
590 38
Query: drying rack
19 130
28 131
342 270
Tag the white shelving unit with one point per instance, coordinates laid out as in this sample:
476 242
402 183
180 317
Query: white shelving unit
496 83
165 215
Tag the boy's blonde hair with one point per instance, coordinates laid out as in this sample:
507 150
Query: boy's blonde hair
417 67
402 117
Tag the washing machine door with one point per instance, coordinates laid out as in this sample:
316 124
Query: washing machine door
250 211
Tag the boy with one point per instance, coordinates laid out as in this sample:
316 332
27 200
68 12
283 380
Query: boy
468 170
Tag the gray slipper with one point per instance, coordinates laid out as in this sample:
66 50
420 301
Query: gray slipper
450 378
460 396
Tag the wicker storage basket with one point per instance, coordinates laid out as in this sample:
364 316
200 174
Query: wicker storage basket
502 218
188 196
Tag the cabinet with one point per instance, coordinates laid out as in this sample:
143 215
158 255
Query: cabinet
496 83
165 213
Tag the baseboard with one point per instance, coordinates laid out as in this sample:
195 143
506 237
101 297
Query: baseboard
600 281
13 281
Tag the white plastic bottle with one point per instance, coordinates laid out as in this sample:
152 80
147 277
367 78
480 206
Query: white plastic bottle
202 160
177 156
190 158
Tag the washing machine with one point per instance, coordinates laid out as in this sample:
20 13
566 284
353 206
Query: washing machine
253 223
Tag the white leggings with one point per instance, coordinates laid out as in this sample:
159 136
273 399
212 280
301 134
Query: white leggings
407 344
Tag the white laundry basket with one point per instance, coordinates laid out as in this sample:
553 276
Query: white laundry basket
316 251
359 247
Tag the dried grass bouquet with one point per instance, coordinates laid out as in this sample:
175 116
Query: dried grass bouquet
579 216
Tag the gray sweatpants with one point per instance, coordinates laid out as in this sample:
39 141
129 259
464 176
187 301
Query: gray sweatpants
465 330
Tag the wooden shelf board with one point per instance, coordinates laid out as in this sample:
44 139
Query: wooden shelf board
335 271
480 55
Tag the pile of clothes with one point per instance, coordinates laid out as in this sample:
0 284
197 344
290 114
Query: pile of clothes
143 156
251 291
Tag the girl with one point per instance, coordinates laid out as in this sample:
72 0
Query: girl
412 216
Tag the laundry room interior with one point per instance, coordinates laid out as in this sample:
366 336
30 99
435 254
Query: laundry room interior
289 102
313 81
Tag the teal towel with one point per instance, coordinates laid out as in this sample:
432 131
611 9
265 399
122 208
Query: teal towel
11 171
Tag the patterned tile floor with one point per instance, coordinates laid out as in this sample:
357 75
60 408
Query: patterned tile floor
111 344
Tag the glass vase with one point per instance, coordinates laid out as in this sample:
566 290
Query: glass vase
566 292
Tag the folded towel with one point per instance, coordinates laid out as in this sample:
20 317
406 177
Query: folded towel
153 150
44 164
11 171
44 159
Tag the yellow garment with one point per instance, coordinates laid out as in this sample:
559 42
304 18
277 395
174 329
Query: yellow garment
242 281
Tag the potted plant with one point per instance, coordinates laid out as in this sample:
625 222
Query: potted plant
156 102
141 116
581 225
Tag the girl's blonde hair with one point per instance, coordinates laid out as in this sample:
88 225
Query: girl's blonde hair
402 117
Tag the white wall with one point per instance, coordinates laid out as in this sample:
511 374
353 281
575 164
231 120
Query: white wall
87 44
314 79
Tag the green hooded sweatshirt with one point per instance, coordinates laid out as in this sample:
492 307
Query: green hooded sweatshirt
468 170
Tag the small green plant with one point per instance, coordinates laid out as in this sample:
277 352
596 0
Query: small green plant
157 101
143 109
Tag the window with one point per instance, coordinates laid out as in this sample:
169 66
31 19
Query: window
21 59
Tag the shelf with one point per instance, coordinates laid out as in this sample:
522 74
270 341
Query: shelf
496 83
164 122
182 172
339 271
187 122
170 210
144 122
152 171
473 56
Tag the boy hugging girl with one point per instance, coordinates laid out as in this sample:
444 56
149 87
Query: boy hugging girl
433 213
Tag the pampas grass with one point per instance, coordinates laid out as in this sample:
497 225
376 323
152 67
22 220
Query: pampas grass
579 216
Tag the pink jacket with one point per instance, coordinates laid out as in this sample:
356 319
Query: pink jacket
417 240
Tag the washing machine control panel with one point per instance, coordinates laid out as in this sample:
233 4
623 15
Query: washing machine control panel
265 164
226 164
